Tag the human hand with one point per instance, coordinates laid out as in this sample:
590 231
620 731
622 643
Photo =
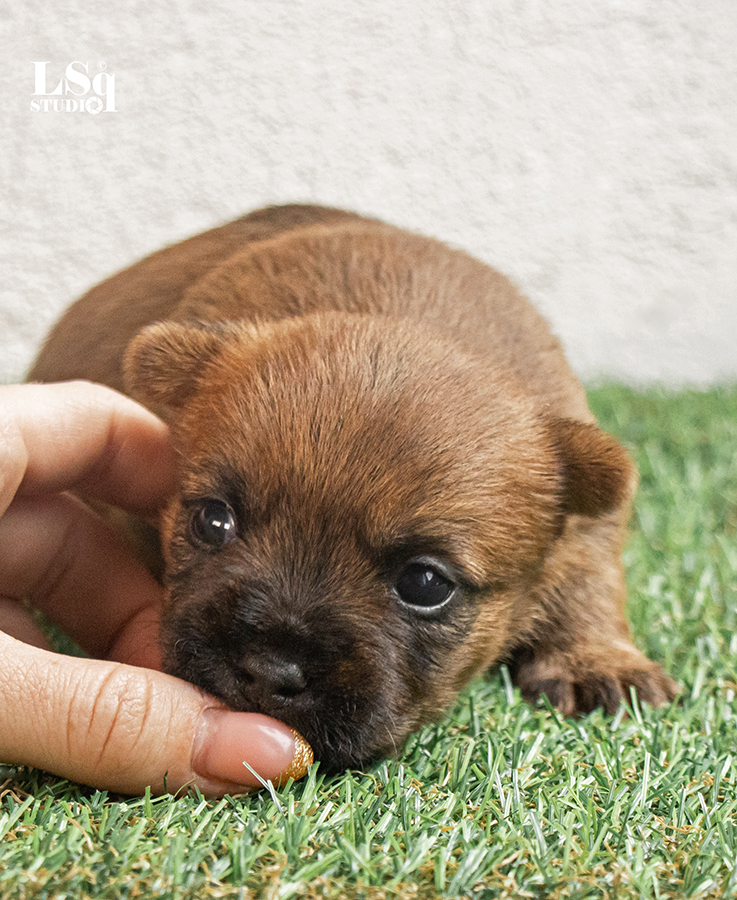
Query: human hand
106 721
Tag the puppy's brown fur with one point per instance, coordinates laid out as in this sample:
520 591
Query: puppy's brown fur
366 409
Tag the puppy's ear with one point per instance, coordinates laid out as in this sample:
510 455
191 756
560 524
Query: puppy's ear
597 476
164 362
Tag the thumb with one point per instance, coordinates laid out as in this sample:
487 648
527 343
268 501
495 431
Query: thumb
120 728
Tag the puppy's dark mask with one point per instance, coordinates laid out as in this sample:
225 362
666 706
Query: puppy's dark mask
362 515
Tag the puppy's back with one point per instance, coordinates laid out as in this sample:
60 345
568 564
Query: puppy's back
294 260
90 339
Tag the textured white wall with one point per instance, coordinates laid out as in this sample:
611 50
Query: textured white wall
588 149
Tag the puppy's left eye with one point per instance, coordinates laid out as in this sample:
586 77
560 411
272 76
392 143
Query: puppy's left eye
423 586
212 523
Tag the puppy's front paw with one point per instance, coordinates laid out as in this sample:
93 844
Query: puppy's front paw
577 686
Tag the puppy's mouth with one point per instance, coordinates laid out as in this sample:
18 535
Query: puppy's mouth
345 720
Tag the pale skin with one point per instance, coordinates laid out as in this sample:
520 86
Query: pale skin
113 721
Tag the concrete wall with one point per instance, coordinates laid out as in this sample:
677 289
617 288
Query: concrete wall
588 148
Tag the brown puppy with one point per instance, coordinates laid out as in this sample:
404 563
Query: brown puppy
390 478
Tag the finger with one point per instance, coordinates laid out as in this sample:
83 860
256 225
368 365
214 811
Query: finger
63 558
87 437
120 728
18 623
137 643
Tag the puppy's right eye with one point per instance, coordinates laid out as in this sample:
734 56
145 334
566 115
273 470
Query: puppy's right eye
212 523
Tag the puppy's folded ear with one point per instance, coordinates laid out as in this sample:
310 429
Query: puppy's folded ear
597 476
164 362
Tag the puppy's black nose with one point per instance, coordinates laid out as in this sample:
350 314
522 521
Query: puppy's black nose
274 676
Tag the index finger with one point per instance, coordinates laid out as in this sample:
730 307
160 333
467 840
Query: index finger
83 436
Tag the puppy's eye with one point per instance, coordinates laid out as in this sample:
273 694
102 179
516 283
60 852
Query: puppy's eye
423 586
213 523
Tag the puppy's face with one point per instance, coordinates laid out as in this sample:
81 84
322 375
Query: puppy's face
363 513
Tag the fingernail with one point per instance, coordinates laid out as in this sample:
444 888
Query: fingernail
302 760
226 740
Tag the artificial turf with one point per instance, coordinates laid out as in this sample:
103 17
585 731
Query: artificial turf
500 799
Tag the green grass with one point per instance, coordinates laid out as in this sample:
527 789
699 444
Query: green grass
501 799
